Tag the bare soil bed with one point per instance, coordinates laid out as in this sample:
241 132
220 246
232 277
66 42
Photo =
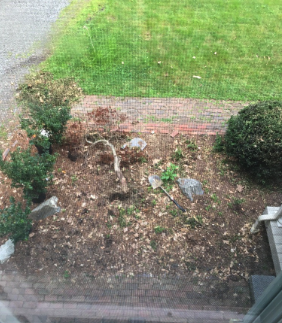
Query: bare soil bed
102 231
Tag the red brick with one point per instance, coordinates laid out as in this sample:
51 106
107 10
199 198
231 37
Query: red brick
43 305
70 305
152 293
174 133
30 304
78 298
56 305
51 298
16 304
29 291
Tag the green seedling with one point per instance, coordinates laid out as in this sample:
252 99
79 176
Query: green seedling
153 244
170 173
194 221
73 179
215 198
191 145
159 229
66 274
177 155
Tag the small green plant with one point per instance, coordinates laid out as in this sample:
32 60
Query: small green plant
143 159
130 210
33 173
177 155
215 198
235 238
194 221
236 202
121 221
73 179
218 145
170 173
158 229
173 212
66 274
209 207
14 221
191 145
154 202
153 244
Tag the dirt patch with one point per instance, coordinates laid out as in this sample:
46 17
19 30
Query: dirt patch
101 231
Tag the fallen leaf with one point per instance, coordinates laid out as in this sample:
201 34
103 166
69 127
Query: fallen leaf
239 188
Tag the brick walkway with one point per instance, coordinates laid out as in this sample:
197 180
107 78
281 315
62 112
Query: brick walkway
169 115
116 299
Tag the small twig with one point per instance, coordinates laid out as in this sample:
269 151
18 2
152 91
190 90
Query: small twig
116 162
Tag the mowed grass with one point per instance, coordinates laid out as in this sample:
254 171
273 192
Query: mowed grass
153 48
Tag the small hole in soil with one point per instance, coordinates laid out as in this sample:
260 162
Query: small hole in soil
119 196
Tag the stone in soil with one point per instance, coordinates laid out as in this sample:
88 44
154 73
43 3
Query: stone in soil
189 187
45 209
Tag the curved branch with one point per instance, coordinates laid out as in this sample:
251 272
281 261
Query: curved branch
116 162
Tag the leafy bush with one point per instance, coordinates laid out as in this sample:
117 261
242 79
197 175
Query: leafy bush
28 171
254 137
43 89
52 119
14 221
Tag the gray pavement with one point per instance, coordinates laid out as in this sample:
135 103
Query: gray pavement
24 29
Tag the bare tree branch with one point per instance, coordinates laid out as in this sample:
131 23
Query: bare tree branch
116 162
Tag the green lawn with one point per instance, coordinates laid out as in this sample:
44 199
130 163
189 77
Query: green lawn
154 48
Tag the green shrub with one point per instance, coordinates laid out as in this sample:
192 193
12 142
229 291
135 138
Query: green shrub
52 119
219 145
29 172
42 88
254 137
14 221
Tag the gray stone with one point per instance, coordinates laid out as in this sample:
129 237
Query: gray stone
136 142
190 186
45 209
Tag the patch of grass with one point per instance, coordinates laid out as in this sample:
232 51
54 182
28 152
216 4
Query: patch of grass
150 48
